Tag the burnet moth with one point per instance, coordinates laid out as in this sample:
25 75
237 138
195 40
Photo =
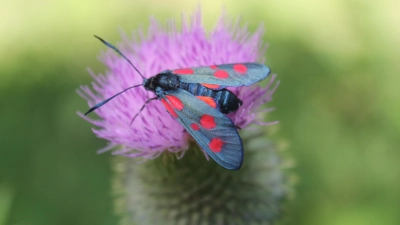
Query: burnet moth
197 97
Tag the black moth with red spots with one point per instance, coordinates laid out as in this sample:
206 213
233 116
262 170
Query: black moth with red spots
197 98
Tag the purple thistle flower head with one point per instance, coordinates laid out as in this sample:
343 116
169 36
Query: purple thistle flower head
154 130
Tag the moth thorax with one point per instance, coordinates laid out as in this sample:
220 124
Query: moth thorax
167 81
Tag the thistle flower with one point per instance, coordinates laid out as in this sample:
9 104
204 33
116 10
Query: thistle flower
166 190
154 130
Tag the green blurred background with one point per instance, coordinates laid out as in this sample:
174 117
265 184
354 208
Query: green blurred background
338 104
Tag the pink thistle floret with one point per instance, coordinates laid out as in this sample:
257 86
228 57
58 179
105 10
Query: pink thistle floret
154 130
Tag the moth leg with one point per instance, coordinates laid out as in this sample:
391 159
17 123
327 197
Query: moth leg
148 100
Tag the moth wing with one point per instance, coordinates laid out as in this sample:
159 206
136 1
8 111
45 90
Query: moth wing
234 75
213 131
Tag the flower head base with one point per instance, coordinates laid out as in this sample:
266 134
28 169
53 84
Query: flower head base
191 191
154 130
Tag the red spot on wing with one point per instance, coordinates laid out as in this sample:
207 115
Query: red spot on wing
211 86
207 121
194 126
210 101
183 71
175 102
240 68
222 74
216 144
214 67
169 108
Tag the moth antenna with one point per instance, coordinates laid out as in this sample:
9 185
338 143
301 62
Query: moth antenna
119 52
98 105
